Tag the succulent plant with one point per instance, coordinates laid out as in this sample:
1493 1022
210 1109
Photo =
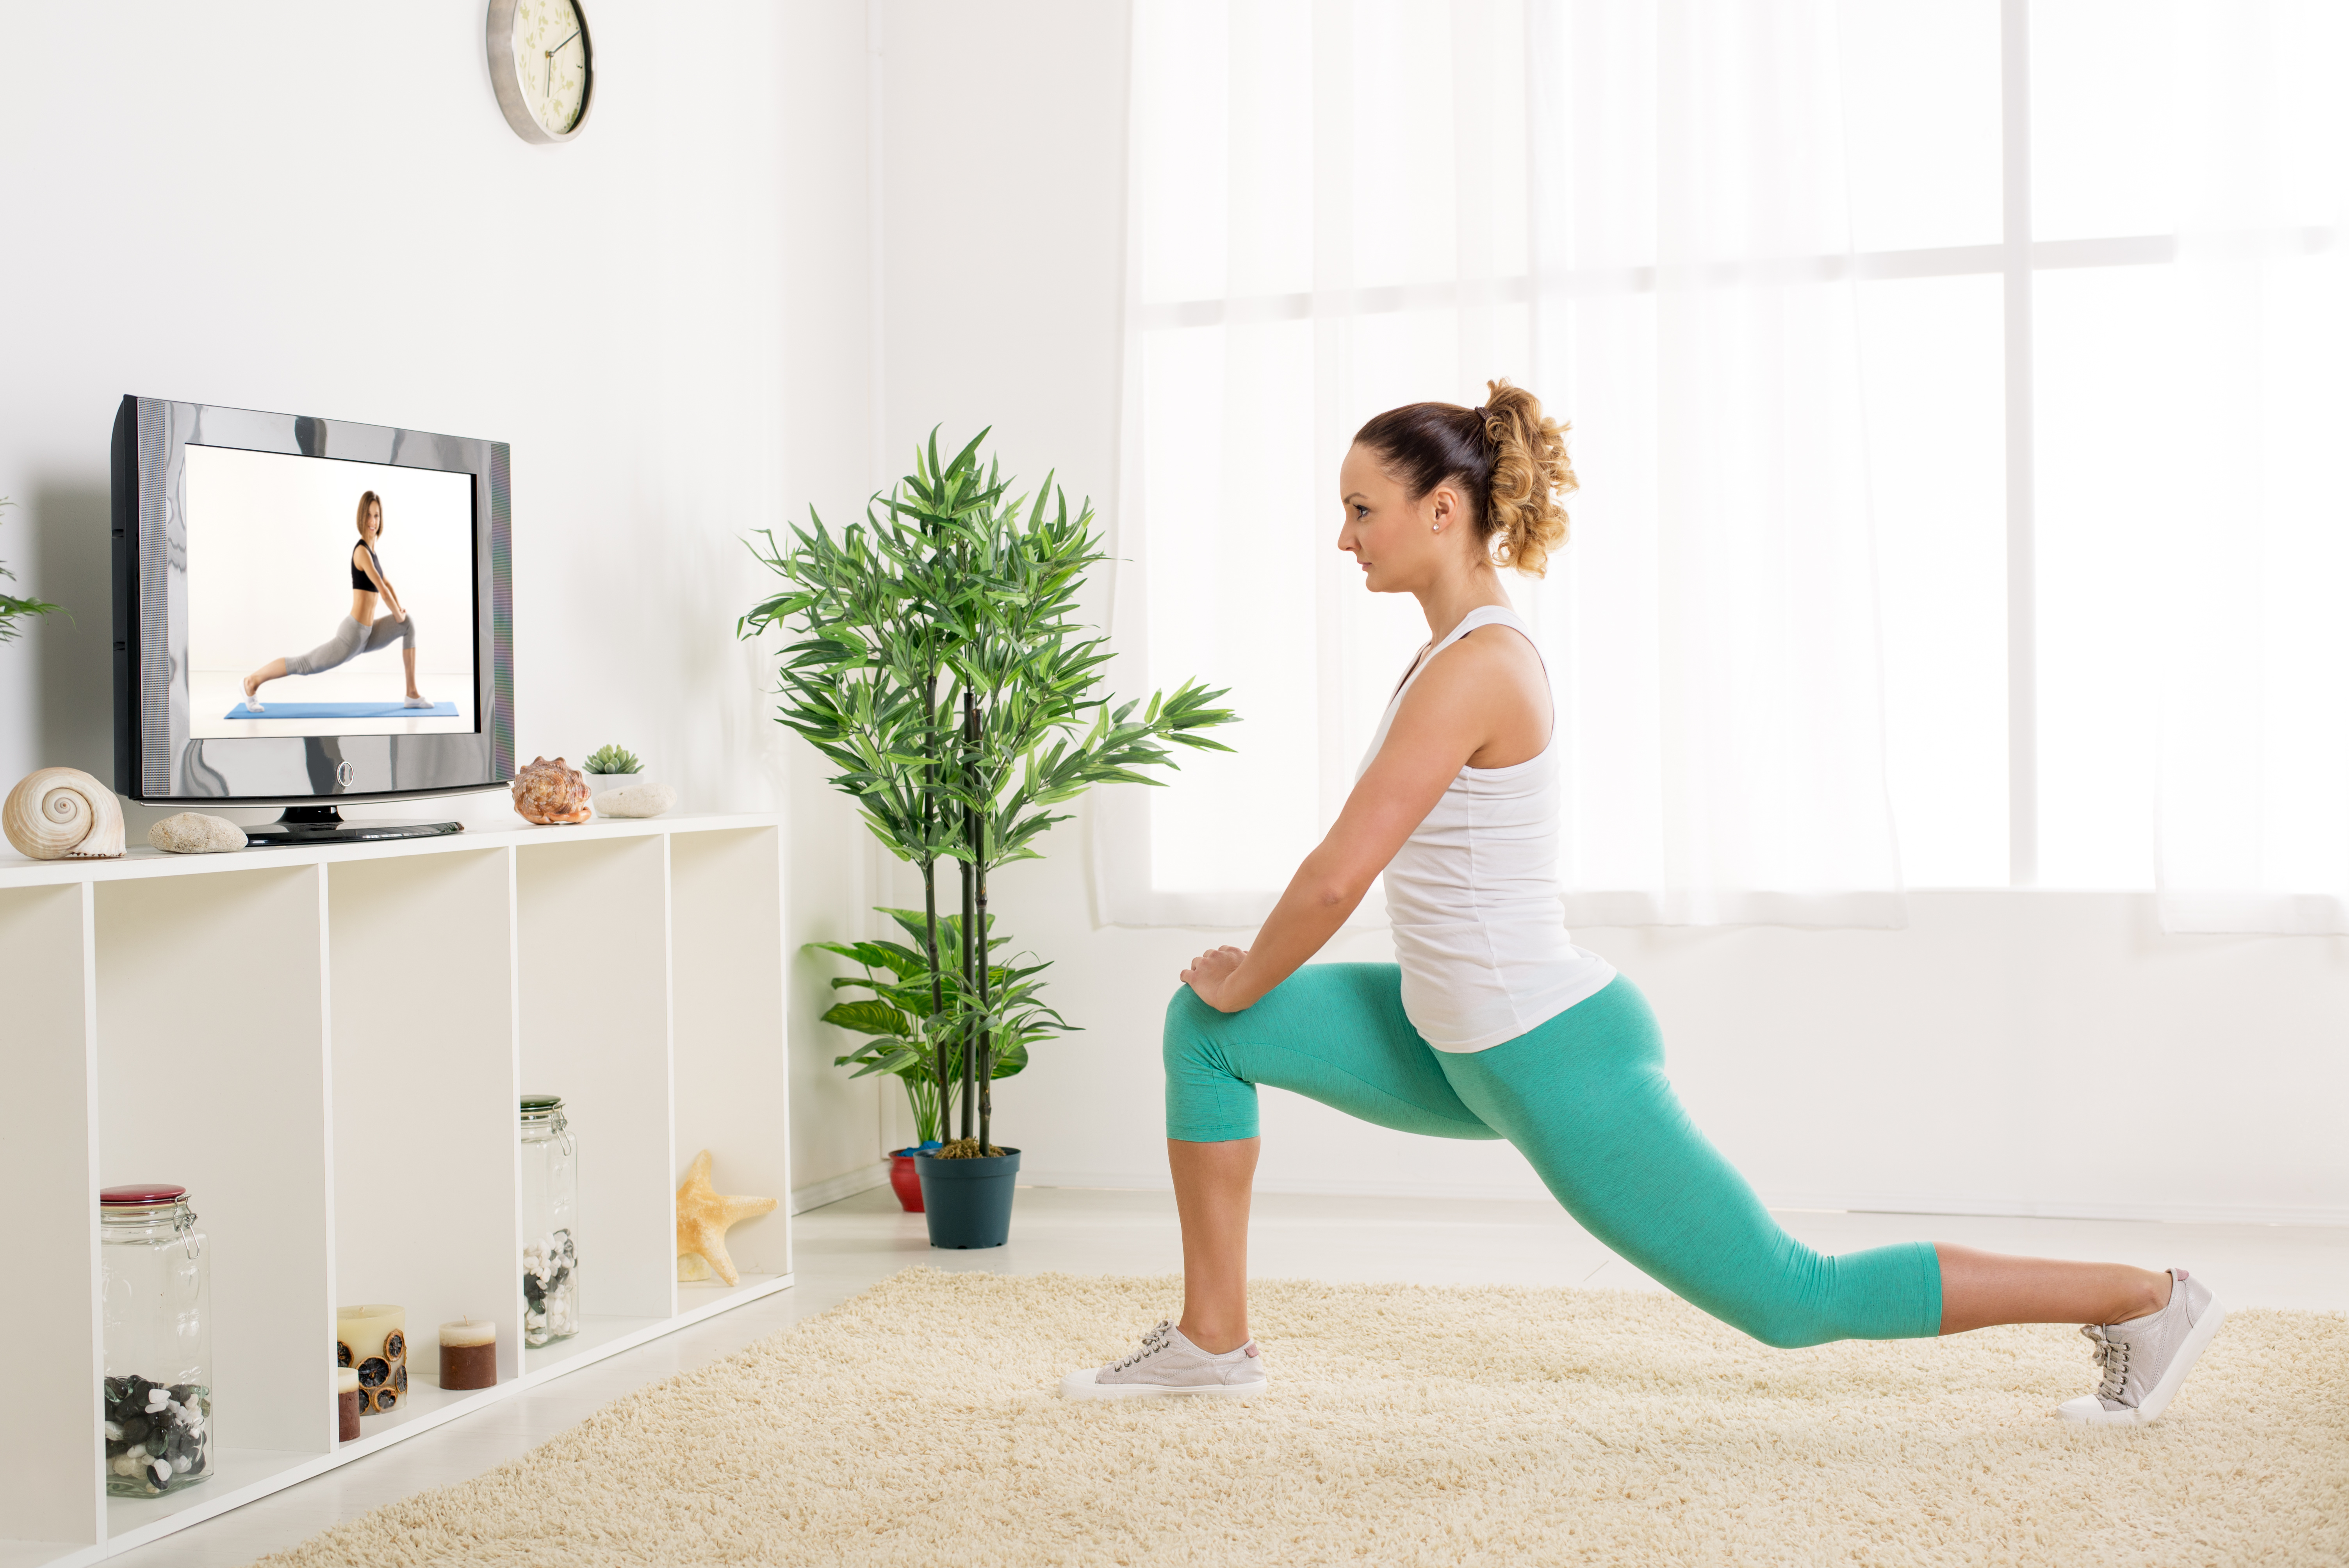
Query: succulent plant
611 759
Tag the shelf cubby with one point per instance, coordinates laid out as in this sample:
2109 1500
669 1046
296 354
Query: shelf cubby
424 1082
726 917
325 1045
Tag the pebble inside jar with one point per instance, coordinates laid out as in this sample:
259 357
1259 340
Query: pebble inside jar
156 1398
550 1207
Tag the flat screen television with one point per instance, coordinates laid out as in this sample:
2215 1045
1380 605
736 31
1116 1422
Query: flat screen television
308 611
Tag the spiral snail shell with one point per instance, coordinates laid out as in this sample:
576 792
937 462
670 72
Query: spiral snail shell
63 814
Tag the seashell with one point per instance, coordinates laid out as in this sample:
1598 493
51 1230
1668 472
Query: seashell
547 793
193 833
63 813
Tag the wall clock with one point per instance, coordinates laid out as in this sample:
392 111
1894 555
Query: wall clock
542 65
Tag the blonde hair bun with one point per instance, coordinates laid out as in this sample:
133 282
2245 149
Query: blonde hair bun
1531 477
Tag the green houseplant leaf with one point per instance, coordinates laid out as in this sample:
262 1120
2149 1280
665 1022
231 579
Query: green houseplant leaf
933 658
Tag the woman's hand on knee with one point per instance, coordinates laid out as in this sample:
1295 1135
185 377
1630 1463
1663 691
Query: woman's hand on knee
1210 971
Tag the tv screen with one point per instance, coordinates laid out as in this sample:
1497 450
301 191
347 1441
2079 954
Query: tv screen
275 563
307 611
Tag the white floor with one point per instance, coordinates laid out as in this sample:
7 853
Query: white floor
849 1245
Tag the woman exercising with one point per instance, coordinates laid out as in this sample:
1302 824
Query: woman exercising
1492 1024
360 632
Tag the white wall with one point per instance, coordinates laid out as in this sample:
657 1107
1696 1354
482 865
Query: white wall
2008 1053
674 321
320 209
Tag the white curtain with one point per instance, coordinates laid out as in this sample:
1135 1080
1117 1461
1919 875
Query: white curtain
2252 618
1637 210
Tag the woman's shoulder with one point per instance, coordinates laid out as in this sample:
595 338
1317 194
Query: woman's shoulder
1494 646
1472 667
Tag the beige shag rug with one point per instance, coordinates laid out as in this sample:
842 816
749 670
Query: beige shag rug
918 1424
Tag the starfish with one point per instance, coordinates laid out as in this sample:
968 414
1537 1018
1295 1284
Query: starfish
703 1214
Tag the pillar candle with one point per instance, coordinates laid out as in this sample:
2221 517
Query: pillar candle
346 1402
469 1355
373 1342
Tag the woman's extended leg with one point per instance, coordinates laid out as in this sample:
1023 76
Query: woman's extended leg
274 670
349 641
1586 1099
1980 1289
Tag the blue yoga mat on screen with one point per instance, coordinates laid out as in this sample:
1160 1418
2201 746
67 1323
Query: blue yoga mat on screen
343 710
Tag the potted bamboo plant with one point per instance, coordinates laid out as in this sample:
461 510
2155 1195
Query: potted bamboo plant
935 660
901 1025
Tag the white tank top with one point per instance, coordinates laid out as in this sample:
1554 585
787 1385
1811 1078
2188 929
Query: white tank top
1479 931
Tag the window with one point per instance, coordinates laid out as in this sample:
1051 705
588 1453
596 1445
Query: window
1998 342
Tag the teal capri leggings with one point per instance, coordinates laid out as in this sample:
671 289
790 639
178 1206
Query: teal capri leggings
1583 1098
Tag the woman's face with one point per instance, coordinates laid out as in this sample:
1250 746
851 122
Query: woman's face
375 518
1402 544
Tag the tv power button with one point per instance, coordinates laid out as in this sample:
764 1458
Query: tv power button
345 773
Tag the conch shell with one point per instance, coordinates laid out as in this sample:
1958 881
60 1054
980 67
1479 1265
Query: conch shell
553 792
63 814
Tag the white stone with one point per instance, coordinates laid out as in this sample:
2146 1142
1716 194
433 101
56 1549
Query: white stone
637 801
193 833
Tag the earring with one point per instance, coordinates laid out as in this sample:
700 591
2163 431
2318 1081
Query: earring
1435 528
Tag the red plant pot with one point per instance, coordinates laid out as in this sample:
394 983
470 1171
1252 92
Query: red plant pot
906 1182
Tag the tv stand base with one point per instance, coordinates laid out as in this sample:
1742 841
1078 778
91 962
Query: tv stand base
324 825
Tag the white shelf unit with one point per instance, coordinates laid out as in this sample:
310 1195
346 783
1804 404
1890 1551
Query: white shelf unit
326 1046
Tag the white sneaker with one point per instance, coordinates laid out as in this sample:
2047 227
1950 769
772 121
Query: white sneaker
1167 1364
2144 1360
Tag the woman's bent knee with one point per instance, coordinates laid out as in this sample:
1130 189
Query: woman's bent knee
1207 1102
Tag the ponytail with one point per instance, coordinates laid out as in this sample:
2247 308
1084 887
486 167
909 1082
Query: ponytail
1525 518
1510 456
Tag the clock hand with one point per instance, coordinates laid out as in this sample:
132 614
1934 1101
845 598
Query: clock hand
559 47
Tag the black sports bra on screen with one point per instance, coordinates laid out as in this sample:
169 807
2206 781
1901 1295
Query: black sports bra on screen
359 579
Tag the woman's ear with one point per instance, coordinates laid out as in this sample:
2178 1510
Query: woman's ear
1445 509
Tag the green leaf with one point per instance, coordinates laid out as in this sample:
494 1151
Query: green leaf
867 1018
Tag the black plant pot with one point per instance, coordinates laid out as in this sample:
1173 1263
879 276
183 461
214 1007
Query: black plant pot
969 1202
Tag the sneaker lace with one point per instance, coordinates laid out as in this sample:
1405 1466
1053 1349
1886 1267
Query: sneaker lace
1152 1344
2112 1359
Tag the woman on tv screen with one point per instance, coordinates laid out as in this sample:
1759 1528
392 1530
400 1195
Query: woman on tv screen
360 632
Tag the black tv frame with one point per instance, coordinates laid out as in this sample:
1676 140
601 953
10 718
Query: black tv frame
156 762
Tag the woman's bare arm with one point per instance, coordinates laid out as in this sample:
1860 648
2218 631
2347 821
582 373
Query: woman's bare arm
1450 712
382 585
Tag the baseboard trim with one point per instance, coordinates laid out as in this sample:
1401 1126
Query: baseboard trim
833 1189
1958 1207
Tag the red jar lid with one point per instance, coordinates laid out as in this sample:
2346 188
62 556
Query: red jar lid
141 1192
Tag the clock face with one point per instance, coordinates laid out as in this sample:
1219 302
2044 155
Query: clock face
550 62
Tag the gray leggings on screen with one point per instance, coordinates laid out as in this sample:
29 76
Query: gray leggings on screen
349 641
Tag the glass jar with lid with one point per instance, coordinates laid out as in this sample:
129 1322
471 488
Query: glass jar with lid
157 1397
549 1221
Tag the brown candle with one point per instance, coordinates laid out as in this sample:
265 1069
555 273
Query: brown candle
346 1400
469 1355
